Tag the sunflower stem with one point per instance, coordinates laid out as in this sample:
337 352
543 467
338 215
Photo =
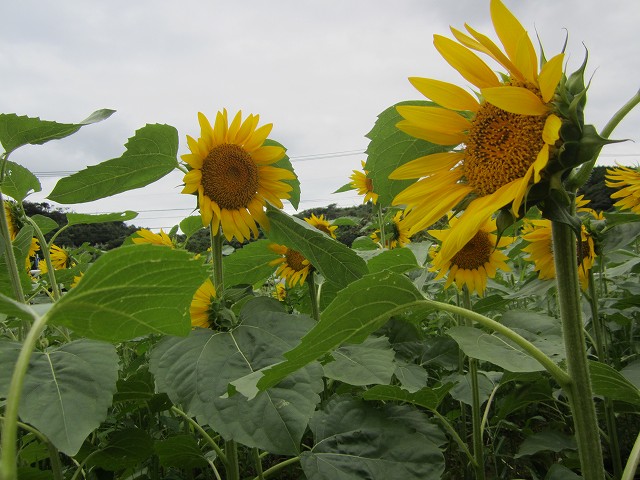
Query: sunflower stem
632 463
383 240
212 443
313 296
216 255
578 388
44 247
232 466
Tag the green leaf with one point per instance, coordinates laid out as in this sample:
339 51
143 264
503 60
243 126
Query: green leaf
412 377
86 219
181 451
19 182
11 307
354 440
620 235
31 473
68 390
390 148
131 291
428 398
632 373
364 243
125 449
45 224
191 225
345 188
547 441
462 390
368 363
398 260
334 260
139 386
17 131
249 264
196 372
21 245
285 162
150 155
346 221
610 383
560 472
357 311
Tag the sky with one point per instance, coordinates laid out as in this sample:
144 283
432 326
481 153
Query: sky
320 71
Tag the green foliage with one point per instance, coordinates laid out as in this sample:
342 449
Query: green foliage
19 182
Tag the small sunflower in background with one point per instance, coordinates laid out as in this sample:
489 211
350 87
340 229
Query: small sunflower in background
280 292
363 184
538 234
478 260
322 224
232 172
397 233
293 267
12 216
147 236
60 259
627 180
201 309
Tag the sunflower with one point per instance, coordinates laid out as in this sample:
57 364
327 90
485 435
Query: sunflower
507 136
231 170
280 292
321 224
201 305
60 259
292 266
540 249
147 236
360 181
476 261
397 232
12 217
628 181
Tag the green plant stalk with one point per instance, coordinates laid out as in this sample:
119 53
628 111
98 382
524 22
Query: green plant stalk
632 463
578 389
14 275
276 468
313 296
44 246
456 437
381 225
212 443
258 463
216 256
232 466
8 461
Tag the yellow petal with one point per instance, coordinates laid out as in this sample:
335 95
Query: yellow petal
507 27
245 130
435 118
190 188
193 176
258 137
468 64
517 100
234 127
526 59
220 128
426 166
550 76
551 130
229 228
438 138
446 94
267 155
206 131
541 162
195 161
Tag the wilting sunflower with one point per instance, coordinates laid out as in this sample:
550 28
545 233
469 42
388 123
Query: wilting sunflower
201 305
360 181
322 224
147 236
507 136
397 232
231 170
628 181
476 261
60 259
540 249
292 266
280 292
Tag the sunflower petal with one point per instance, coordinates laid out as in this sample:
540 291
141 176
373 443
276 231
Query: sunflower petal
206 130
435 118
438 138
232 133
469 65
550 76
267 154
526 59
507 27
426 166
445 94
516 100
551 130
258 137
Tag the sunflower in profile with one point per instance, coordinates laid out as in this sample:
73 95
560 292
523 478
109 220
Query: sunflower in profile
507 136
363 184
11 214
397 232
478 260
292 265
322 224
232 172
147 236
628 181
201 305
60 259
540 249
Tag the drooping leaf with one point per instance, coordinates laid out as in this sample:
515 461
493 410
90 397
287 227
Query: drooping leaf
334 260
249 264
150 155
610 383
19 182
390 148
368 363
16 131
428 398
131 291
196 371
68 390
180 451
86 218
546 441
354 440
125 449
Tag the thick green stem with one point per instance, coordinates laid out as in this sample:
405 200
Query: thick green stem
456 437
232 465
216 255
632 463
8 469
578 389
276 468
258 462
313 296
202 432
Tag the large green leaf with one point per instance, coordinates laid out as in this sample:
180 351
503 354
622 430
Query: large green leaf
249 264
67 390
390 148
19 182
124 449
398 260
546 441
17 131
357 311
368 363
428 398
610 383
150 155
131 291
86 218
181 451
354 440
196 371
337 262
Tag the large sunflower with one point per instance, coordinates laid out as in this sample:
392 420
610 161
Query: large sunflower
506 137
540 249
147 236
201 305
628 181
397 232
322 224
231 170
363 184
477 260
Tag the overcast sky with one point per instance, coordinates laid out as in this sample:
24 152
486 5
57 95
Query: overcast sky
320 71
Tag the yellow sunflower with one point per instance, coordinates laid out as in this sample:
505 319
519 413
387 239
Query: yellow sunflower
360 181
292 265
12 219
628 181
540 249
322 224
231 170
147 236
280 292
508 135
397 233
478 260
200 309
60 259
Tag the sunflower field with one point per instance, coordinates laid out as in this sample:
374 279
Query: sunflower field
483 326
